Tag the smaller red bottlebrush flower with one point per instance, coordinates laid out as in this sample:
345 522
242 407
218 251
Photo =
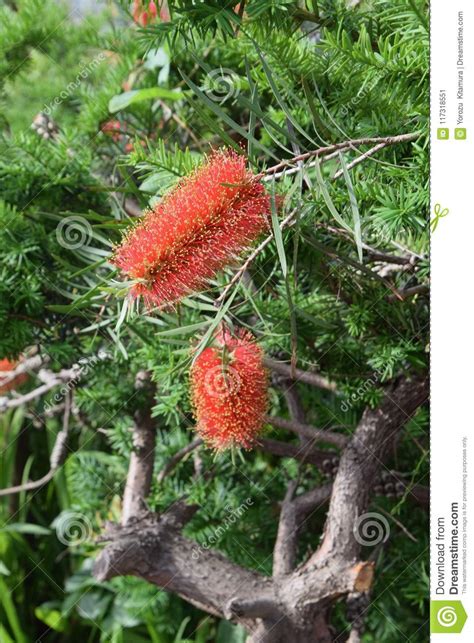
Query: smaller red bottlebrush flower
198 228
229 391
7 383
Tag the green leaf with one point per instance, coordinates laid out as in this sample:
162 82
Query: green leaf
121 101
49 614
11 613
327 198
182 330
215 322
217 109
4 636
354 207
4 569
279 239
25 528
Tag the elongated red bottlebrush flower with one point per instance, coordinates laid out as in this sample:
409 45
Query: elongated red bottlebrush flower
229 390
197 229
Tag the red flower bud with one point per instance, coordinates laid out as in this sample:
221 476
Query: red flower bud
153 11
198 228
229 389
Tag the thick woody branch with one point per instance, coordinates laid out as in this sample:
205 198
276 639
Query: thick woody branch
153 549
360 463
140 469
284 552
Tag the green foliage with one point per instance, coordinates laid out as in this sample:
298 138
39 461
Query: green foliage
296 76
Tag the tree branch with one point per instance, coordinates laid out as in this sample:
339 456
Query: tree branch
177 457
140 469
153 549
313 379
308 431
284 552
373 439
321 151
57 458
286 450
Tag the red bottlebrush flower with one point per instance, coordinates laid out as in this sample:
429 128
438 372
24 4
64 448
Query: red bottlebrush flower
198 228
7 384
229 390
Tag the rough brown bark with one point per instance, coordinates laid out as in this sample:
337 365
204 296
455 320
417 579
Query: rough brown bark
293 604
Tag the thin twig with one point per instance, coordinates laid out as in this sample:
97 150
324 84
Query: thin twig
359 159
311 432
313 379
398 523
420 289
50 380
176 459
327 153
25 366
57 458
305 454
295 170
251 257
321 151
